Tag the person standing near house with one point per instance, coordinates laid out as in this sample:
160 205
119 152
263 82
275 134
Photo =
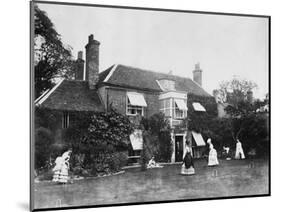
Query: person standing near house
57 169
61 168
65 167
187 167
226 153
207 150
213 158
239 154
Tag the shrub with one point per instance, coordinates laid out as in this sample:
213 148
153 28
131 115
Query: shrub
100 139
157 138
43 141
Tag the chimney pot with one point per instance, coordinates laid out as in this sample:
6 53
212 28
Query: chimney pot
79 72
80 55
197 74
91 38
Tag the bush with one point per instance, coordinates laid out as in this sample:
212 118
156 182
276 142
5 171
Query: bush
117 160
157 138
43 142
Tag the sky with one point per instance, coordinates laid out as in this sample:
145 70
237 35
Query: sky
225 46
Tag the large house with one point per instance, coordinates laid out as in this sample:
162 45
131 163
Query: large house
131 91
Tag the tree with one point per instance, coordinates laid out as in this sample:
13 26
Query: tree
235 90
99 141
109 130
157 137
52 58
43 146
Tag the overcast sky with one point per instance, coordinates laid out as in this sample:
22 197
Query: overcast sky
225 46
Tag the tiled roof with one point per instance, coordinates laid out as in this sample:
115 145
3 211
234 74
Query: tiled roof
127 76
73 95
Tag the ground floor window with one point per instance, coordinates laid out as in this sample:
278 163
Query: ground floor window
65 120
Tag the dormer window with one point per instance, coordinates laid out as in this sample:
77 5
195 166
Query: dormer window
135 104
167 84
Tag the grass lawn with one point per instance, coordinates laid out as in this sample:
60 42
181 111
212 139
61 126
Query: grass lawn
234 178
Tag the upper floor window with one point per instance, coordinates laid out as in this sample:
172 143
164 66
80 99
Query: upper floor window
166 107
180 108
65 120
135 104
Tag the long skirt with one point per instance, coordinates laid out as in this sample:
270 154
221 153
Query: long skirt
213 159
189 171
56 176
239 154
63 176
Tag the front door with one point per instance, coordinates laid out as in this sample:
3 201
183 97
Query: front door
178 148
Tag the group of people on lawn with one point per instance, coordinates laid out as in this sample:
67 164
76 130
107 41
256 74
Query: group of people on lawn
62 162
188 166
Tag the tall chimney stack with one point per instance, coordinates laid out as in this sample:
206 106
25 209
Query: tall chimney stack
92 62
79 72
197 74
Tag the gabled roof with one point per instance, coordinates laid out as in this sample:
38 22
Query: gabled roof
126 76
71 95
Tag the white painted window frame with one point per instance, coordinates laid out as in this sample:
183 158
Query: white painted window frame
175 107
132 107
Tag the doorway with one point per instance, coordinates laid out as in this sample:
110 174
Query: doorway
178 148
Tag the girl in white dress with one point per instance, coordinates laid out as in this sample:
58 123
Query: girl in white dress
239 153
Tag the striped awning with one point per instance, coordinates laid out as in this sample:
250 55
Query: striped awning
180 104
198 139
198 107
136 140
136 99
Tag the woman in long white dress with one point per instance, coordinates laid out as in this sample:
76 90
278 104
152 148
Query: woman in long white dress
239 153
187 167
213 157
57 169
61 168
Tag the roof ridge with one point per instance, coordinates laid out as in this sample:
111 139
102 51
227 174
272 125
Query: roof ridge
148 70
46 95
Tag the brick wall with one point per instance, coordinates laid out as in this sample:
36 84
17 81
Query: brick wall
117 97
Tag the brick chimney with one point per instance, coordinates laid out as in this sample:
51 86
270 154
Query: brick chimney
79 72
92 62
197 74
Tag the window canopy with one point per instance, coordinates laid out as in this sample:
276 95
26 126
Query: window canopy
198 139
198 107
180 103
136 140
136 99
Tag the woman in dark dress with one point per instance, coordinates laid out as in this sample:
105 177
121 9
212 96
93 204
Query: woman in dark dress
187 166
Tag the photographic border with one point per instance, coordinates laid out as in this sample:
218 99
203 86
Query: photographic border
31 89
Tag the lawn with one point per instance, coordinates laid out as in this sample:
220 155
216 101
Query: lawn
230 178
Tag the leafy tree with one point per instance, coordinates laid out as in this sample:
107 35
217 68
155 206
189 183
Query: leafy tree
43 146
157 137
109 130
52 58
235 90
98 141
